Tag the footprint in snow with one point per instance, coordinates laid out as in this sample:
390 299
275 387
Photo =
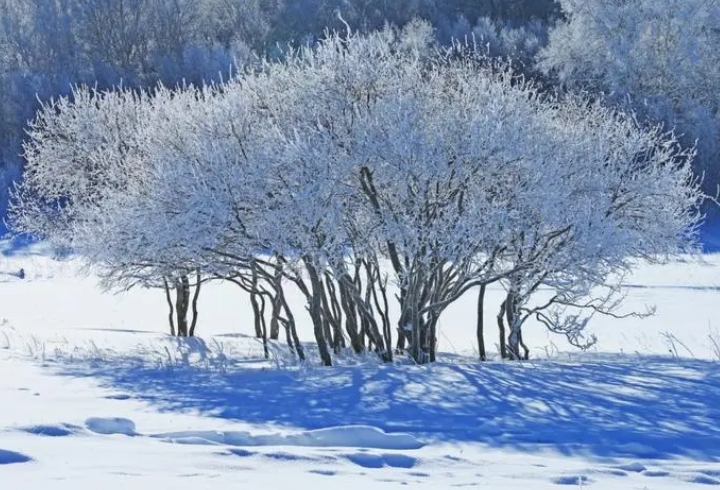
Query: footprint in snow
120 396
656 473
572 480
284 456
324 472
703 480
243 453
59 430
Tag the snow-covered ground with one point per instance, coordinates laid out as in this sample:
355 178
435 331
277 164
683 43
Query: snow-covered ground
94 394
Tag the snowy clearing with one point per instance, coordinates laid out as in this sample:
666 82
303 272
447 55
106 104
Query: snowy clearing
95 394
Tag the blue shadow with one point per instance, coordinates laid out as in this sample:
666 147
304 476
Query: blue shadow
710 232
12 457
638 407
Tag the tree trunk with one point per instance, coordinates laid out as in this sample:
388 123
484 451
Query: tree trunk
370 324
274 323
431 338
501 327
332 316
263 328
526 351
383 309
182 303
337 315
171 319
257 314
513 320
327 330
347 303
288 338
416 339
276 303
481 323
292 330
315 310
194 305
402 339
402 325
258 304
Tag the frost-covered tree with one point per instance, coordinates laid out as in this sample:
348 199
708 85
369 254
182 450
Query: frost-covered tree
365 163
86 181
435 150
604 187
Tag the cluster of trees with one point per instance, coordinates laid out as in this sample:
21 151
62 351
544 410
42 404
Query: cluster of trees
368 170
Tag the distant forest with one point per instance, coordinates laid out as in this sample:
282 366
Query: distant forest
658 58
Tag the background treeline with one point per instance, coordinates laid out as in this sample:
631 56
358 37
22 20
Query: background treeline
48 46
657 59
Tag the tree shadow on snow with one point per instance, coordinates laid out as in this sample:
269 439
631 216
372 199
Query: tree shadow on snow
639 407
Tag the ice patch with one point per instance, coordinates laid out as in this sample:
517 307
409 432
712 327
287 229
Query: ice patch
367 460
344 436
11 457
111 425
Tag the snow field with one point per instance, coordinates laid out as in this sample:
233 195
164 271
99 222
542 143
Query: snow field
95 394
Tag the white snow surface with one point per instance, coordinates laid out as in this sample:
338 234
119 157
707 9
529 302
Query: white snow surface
95 394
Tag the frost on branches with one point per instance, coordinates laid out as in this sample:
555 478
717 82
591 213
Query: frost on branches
369 172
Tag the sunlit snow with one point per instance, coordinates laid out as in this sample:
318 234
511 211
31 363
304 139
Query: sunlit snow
94 394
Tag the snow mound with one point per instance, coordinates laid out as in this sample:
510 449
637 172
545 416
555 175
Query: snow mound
112 425
11 457
634 467
345 436
656 473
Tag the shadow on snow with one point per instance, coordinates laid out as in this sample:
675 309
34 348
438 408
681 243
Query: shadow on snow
630 407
